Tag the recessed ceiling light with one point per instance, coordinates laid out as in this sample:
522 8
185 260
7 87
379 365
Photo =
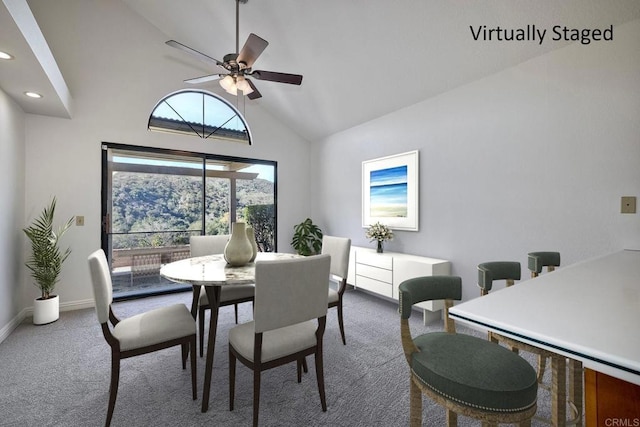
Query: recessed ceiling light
33 95
5 55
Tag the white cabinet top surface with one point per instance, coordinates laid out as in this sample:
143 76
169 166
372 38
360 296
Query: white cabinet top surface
398 254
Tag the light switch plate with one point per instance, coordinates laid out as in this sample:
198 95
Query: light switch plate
628 205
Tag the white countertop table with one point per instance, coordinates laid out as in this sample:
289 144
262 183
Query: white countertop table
588 311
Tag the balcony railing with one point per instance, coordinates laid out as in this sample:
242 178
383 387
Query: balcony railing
136 271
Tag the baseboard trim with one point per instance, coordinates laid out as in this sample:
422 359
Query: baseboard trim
69 306
13 324
28 311
77 305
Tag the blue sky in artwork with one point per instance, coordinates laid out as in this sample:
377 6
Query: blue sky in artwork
389 176
388 192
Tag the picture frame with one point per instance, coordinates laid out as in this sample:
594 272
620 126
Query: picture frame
390 191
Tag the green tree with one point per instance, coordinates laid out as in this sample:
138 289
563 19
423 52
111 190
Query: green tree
261 218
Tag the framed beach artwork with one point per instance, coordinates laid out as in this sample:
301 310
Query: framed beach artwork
390 191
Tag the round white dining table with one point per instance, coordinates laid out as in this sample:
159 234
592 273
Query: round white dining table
213 272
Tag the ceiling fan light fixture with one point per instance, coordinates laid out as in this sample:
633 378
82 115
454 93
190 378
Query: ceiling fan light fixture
237 64
229 84
243 85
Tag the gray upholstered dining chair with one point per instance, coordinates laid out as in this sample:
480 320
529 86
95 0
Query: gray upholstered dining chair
229 295
465 374
153 330
290 313
338 248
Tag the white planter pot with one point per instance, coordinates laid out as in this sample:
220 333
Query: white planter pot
46 310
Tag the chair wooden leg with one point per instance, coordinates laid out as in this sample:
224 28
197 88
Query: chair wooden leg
452 418
542 364
232 379
526 423
558 390
235 306
576 388
299 368
194 378
305 368
201 313
185 354
320 378
113 386
341 322
256 396
415 404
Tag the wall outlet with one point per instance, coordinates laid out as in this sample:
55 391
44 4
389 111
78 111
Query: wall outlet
79 220
628 205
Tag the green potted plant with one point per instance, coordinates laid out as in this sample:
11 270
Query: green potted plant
45 262
307 238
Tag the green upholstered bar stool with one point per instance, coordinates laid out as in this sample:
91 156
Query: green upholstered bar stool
509 271
464 374
538 260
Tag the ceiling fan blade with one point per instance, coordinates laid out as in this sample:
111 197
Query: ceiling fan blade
255 94
272 76
253 47
201 56
203 79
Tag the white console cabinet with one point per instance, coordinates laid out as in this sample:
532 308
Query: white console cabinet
383 273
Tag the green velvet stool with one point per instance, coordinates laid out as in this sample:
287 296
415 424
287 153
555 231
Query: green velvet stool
465 374
509 271
537 260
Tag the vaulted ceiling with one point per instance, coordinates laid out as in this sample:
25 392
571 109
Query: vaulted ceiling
361 59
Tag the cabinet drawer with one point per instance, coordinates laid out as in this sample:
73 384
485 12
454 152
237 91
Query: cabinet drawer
375 259
379 274
373 285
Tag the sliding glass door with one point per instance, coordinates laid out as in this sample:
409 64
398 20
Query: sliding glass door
153 200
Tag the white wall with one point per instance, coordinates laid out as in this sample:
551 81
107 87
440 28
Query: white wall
12 120
533 158
114 92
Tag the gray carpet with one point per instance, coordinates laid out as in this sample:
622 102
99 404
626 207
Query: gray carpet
58 375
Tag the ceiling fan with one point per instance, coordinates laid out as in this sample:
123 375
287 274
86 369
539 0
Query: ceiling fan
236 67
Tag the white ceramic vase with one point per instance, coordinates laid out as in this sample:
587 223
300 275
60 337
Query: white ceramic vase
238 250
46 310
251 235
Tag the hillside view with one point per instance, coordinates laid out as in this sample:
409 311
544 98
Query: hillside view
164 210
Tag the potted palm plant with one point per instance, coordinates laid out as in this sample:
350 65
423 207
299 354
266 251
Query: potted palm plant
45 262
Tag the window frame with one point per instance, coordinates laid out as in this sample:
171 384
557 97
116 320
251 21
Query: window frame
203 157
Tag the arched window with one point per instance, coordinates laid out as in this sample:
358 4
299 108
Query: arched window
199 113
